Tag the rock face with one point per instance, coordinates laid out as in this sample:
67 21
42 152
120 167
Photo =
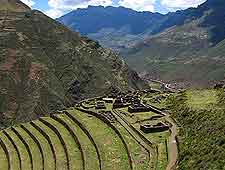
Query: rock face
13 5
44 66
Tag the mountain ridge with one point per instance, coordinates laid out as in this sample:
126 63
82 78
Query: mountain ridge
45 67
109 24
175 39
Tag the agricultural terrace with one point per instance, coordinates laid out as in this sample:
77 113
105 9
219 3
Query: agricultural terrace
93 135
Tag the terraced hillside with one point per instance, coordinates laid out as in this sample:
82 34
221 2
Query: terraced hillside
85 138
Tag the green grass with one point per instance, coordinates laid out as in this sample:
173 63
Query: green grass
12 152
3 159
200 99
135 117
90 153
37 160
158 139
73 150
48 156
201 136
151 99
143 115
138 154
162 156
111 147
26 164
155 85
60 153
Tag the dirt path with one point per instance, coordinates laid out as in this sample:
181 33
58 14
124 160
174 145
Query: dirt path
173 147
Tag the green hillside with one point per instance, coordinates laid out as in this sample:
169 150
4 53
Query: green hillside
170 56
190 51
44 66
200 114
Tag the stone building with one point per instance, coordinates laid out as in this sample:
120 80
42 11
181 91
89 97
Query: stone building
160 127
100 105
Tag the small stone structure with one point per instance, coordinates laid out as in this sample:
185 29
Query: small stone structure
108 115
160 127
219 86
100 105
138 108
156 117
118 103
108 100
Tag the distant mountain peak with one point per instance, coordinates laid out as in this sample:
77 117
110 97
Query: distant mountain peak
92 6
14 5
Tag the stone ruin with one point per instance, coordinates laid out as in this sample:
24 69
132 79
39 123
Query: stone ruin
108 100
138 107
219 85
108 115
156 117
118 103
100 105
160 127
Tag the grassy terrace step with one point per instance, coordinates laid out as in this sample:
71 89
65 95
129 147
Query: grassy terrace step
46 147
91 151
25 157
57 133
139 155
162 156
34 149
14 156
112 126
72 144
113 152
147 145
27 147
61 162
38 148
4 156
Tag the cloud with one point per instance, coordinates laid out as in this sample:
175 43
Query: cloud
139 5
54 13
59 7
173 5
30 3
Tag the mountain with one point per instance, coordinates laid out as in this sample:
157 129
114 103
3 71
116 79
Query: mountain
44 66
173 47
114 27
14 5
189 50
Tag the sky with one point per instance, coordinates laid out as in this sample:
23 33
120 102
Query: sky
57 8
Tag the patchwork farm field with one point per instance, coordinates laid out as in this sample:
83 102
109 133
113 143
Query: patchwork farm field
85 137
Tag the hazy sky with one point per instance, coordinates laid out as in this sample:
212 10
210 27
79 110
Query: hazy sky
56 8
